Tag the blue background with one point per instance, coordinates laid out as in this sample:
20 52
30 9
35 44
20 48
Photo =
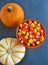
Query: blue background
37 9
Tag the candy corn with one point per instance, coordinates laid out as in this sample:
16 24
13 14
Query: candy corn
31 33
34 40
30 40
32 25
26 36
35 30
42 38
38 28
23 32
38 24
35 22
41 32
28 44
30 36
38 33
30 21
22 41
37 42
19 30
21 25
27 33
19 33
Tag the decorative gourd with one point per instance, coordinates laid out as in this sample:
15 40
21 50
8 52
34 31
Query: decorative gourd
11 52
12 14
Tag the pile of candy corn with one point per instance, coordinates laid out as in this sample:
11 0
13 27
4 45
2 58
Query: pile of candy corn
31 33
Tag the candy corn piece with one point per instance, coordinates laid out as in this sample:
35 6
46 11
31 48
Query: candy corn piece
20 25
28 44
42 38
34 40
38 38
19 30
38 33
35 30
25 24
31 31
22 41
30 41
35 22
19 33
27 33
30 21
42 32
39 24
26 36
23 32
30 36
33 44
37 42
38 29
32 25
24 29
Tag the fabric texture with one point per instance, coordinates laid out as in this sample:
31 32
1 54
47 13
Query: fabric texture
37 9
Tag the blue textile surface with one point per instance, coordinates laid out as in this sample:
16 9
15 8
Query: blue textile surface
37 9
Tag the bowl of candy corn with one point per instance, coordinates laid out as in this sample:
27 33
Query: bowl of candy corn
31 33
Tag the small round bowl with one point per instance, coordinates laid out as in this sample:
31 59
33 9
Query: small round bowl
35 45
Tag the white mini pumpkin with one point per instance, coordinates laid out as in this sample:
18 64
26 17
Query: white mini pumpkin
11 52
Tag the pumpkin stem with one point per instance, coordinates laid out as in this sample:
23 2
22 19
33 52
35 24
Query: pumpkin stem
10 9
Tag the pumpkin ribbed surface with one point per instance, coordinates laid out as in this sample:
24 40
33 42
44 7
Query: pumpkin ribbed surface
11 52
